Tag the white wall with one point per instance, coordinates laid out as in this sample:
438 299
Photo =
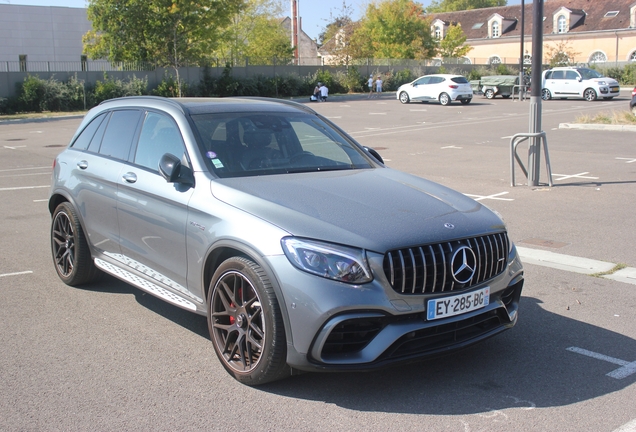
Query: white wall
43 33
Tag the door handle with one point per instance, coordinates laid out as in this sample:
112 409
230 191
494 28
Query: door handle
130 177
82 164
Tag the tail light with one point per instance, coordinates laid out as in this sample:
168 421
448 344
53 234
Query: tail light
453 86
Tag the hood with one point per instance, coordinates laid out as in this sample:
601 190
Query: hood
375 209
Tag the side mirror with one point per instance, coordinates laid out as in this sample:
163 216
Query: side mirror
375 154
171 168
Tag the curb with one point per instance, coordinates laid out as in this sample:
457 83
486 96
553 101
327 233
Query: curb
585 126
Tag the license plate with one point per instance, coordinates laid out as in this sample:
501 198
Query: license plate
458 304
614 89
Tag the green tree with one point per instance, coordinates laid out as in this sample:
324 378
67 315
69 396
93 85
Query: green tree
167 33
337 23
452 45
561 53
460 5
255 31
394 29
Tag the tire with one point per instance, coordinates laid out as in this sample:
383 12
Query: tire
490 94
505 96
404 97
71 255
545 94
444 99
246 324
608 98
465 101
589 95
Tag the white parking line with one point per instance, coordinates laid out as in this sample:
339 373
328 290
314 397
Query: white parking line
579 175
16 273
627 427
493 197
23 169
626 369
23 187
629 160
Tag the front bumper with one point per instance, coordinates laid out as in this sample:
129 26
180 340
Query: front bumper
339 328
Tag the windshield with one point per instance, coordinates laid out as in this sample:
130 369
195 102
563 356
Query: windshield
246 144
587 74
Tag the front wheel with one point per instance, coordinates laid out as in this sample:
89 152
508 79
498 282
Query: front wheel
546 95
589 95
71 255
246 324
489 94
444 99
404 97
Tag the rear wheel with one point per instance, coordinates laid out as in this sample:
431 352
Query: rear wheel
589 95
71 255
489 94
404 97
545 94
444 99
246 324
465 101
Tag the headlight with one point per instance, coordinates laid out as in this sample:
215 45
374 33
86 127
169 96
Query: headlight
330 261
602 83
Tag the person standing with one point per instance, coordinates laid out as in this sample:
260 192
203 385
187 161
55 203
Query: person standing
378 85
370 83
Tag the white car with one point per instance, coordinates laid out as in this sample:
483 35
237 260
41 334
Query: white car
444 88
566 82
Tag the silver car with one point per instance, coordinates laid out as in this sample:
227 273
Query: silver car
444 88
304 251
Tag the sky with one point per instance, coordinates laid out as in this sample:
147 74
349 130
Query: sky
315 14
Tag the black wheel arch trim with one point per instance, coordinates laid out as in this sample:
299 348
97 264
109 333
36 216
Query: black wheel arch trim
215 257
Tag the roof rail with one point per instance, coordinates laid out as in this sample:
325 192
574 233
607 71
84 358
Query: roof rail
157 98
283 101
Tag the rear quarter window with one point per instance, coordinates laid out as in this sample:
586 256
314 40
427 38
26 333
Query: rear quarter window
84 139
460 80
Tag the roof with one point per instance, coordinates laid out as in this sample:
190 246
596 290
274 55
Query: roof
593 19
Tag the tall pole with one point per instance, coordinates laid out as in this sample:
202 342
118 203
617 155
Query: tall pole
534 152
294 28
521 55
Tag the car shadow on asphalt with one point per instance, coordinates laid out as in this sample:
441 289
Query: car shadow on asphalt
526 367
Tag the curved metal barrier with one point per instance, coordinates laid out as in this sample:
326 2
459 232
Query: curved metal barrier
514 142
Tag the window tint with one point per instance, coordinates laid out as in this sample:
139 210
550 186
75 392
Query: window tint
159 135
559 74
460 80
84 139
119 134
259 144
436 80
571 75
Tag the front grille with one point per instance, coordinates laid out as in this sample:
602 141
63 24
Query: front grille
429 268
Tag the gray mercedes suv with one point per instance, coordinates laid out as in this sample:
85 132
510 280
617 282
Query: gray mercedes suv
304 250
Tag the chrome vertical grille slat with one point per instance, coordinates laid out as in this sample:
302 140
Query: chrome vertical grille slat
428 268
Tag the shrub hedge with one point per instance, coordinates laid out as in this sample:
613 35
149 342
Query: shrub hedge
37 95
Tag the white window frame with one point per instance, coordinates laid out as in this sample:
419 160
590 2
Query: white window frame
562 24
595 57
494 60
495 29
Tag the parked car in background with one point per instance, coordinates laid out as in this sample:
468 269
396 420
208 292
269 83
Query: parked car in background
577 82
444 88
304 250
632 103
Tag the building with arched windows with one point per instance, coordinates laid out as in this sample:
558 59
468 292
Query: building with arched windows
590 32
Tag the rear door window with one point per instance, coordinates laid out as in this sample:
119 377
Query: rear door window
119 134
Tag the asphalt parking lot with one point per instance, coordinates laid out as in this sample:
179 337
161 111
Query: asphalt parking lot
109 357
